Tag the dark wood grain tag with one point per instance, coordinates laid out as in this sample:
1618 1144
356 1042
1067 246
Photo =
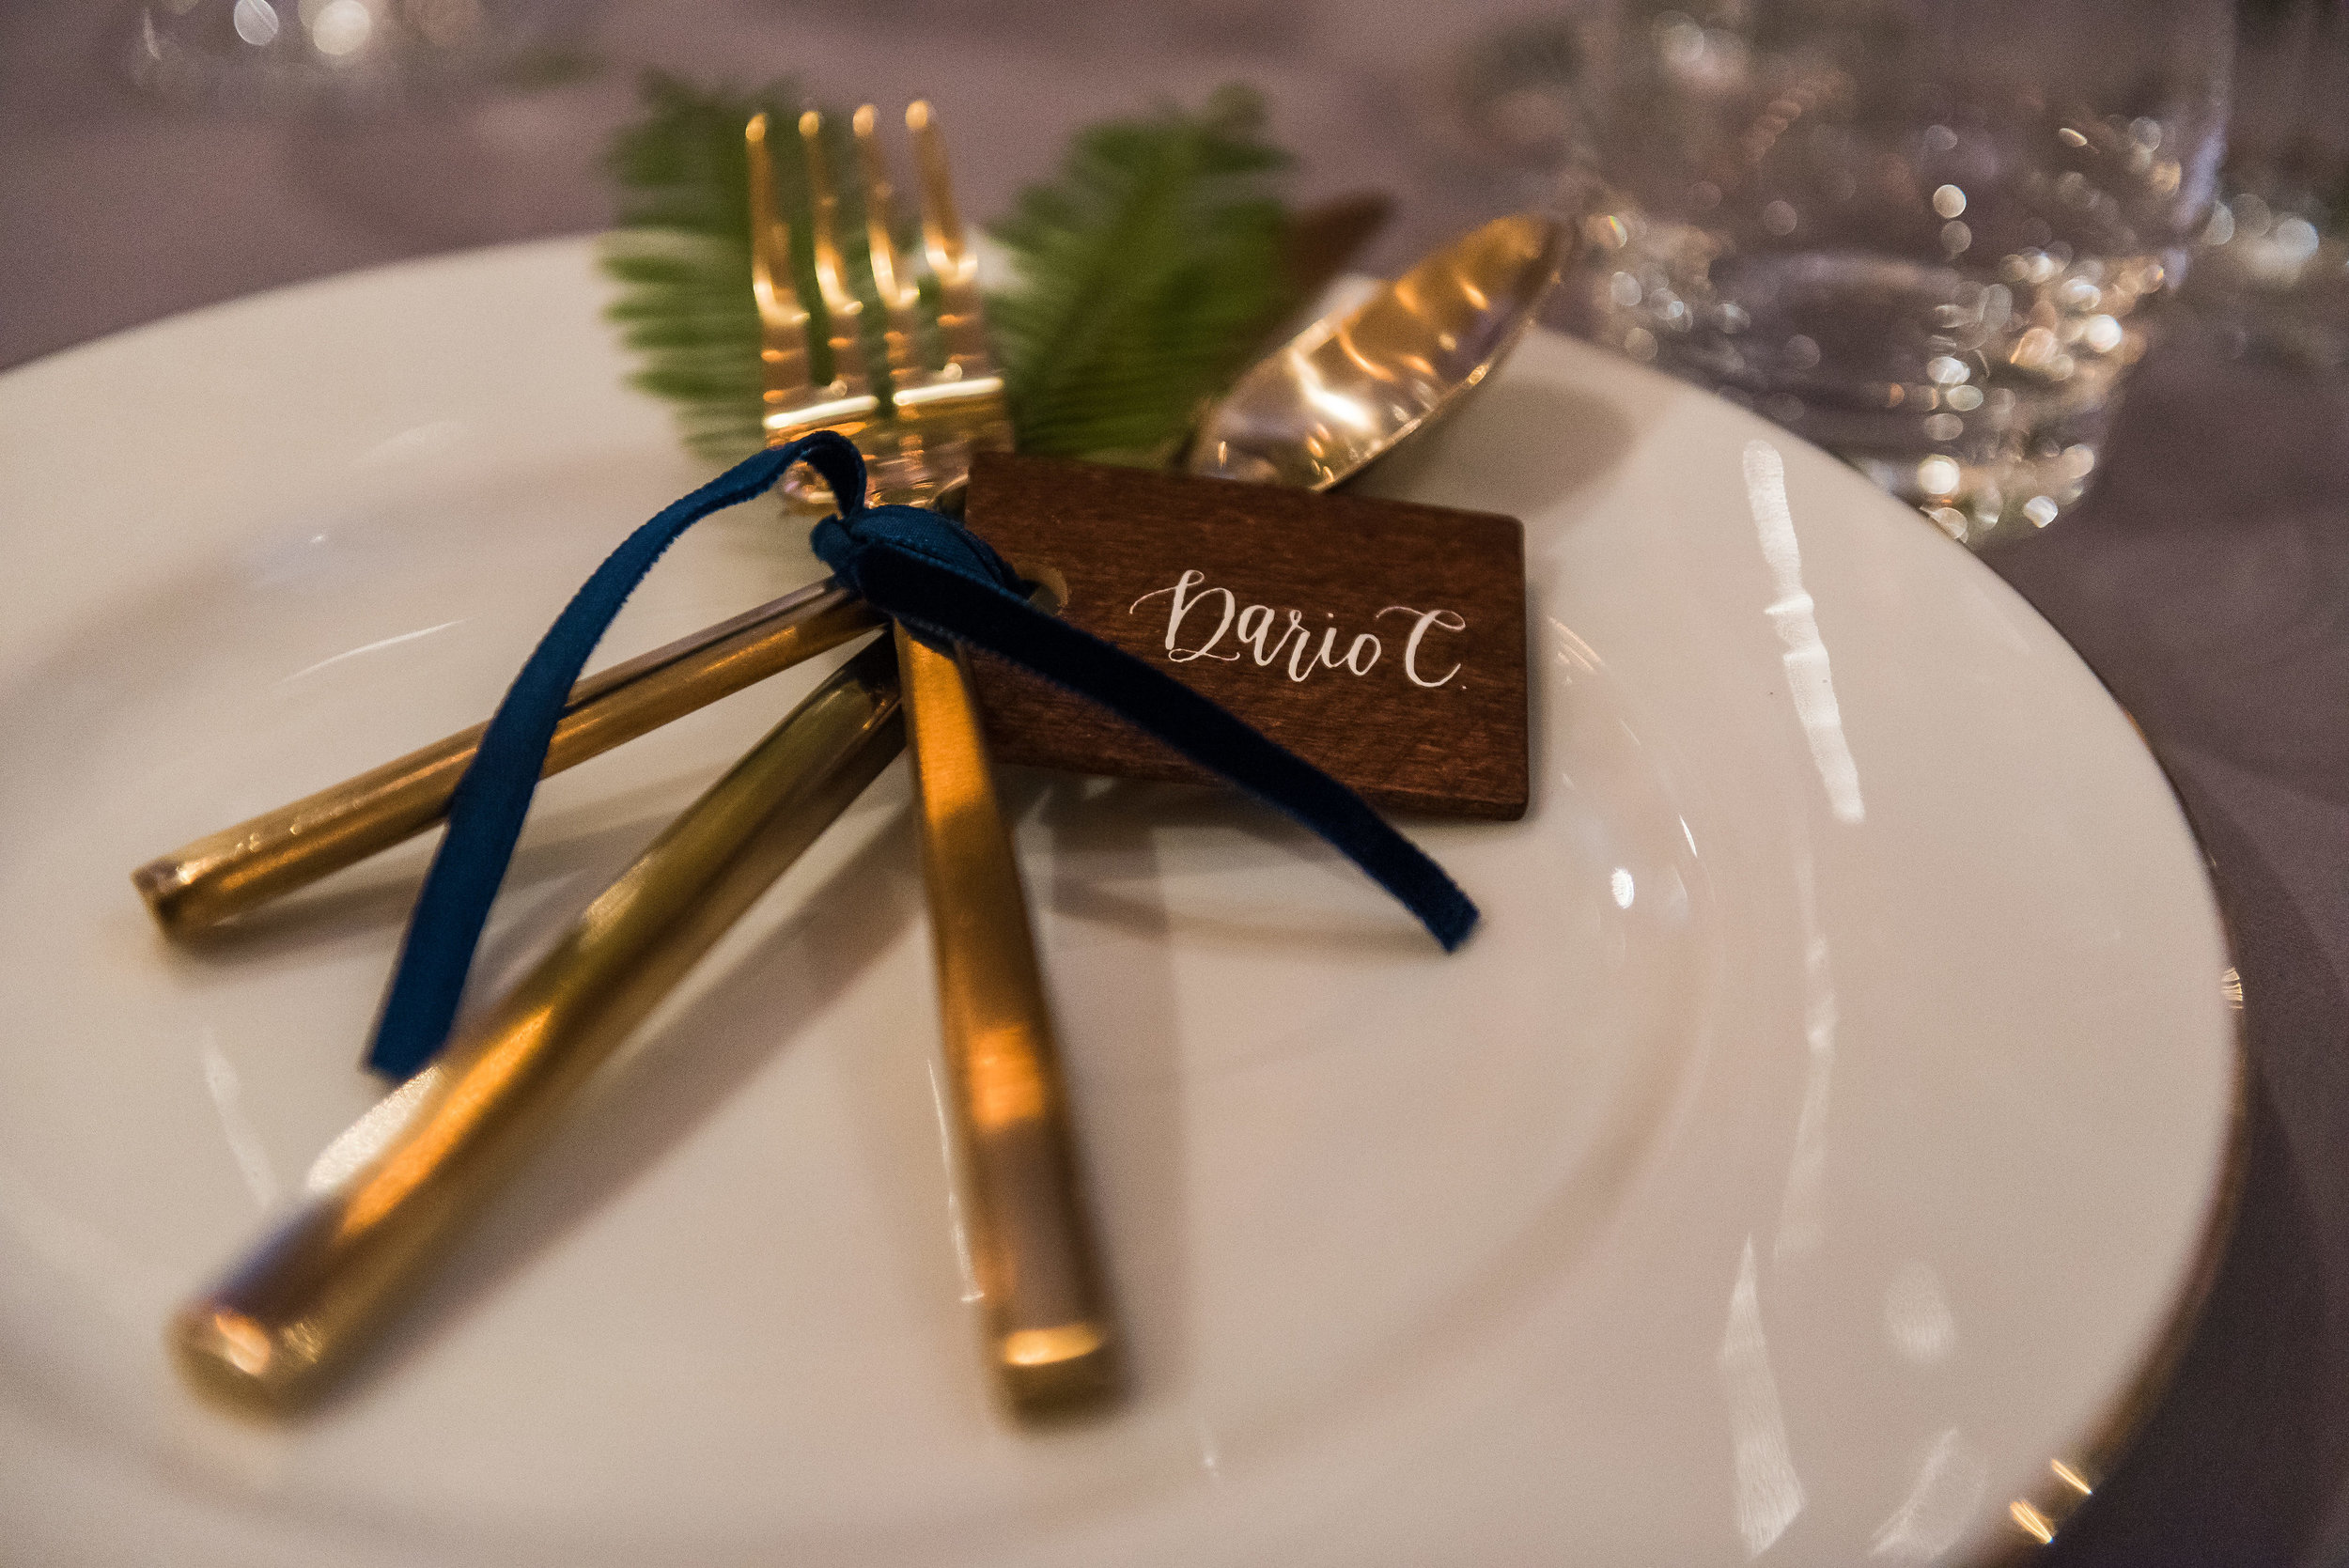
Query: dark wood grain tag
1381 641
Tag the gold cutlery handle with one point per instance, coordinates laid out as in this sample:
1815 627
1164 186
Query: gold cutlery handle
1031 1246
238 869
273 1332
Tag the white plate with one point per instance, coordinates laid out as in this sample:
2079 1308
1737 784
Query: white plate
1814 1145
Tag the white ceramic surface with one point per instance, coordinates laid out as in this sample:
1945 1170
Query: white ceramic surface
1812 1147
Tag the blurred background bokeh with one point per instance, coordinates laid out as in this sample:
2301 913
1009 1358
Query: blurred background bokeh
136 187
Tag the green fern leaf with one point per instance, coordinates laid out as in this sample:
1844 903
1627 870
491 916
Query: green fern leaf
1147 273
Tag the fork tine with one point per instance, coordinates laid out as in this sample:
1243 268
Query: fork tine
899 297
841 305
784 385
795 405
960 323
907 463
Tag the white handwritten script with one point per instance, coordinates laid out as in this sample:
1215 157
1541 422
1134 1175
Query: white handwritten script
1263 635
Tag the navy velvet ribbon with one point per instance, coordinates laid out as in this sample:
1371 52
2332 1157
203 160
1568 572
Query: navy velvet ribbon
947 586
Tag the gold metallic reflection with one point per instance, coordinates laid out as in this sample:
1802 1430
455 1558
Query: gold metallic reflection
1344 391
1038 1347
1006 1085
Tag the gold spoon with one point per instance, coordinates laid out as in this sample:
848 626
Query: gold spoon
1342 392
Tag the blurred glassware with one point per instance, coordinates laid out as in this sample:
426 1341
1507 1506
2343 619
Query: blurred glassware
1924 234
342 54
2272 269
1504 113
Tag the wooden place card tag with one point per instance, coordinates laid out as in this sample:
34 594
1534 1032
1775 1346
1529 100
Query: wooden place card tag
1381 641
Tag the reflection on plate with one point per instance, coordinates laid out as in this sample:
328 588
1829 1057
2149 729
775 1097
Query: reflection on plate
1813 1147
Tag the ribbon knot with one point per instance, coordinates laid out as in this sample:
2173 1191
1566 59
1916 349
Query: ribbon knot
848 544
947 586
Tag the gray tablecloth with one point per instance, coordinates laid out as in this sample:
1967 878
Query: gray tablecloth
2206 580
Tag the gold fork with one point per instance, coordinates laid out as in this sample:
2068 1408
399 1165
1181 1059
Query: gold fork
1030 1243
